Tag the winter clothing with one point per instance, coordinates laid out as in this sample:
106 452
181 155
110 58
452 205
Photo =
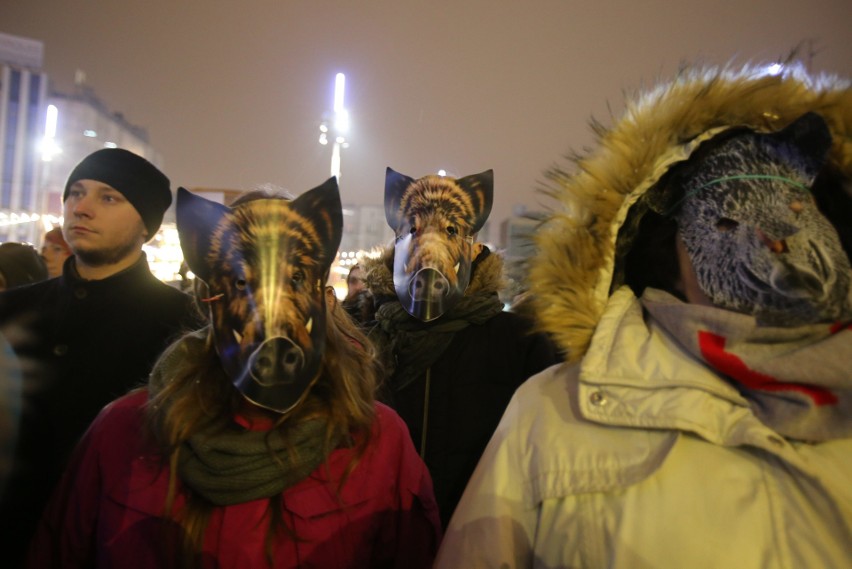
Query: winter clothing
20 264
662 441
81 344
112 499
145 187
581 254
451 379
640 457
792 376
228 467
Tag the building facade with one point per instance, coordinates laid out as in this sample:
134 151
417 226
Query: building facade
43 135
23 91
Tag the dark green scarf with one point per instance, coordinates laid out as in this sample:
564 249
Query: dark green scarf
228 464
415 345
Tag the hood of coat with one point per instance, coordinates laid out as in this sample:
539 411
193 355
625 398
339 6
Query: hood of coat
487 273
584 239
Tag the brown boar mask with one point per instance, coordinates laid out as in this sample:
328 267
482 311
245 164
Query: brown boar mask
265 262
435 220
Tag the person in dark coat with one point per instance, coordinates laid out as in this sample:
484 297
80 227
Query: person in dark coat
20 265
453 356
88 336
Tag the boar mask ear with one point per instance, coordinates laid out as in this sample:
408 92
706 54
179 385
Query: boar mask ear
480 188
395 186
197 219
322 207
811 139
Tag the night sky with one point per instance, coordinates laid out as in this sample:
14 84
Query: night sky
232 93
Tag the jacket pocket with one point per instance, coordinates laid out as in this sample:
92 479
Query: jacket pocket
335 529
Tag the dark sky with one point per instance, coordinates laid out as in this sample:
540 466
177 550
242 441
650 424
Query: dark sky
232 92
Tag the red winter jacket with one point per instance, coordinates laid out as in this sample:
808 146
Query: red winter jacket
106 511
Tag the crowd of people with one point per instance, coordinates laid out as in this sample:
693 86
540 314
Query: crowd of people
675 392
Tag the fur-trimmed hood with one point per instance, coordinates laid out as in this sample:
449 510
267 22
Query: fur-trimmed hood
572 276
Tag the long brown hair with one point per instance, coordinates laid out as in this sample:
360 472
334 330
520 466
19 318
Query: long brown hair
196 392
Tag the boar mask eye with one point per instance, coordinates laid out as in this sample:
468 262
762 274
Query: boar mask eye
725 224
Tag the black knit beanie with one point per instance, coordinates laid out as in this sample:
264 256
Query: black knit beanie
144 186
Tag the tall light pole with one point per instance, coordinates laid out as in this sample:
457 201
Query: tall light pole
336 128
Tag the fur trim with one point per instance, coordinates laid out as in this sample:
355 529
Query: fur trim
570 277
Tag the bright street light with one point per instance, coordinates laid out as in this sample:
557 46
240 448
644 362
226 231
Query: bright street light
338 127
49 148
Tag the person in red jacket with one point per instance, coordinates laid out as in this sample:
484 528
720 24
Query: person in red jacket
258 442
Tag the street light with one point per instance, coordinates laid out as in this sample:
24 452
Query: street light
338 127
49 148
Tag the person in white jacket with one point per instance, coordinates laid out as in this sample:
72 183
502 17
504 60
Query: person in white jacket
698 279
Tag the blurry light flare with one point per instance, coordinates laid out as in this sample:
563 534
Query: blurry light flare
110 145
17 218
90 133
335 161
48 146
775 69
442 172
340 291
49 149
339 87
323 128
341 121
50 122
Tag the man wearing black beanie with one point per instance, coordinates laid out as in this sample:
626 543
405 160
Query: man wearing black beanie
88 336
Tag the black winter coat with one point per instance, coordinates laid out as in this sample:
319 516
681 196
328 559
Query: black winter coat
80 344
468 389
459 399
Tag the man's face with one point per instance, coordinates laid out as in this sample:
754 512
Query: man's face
356 282
101 227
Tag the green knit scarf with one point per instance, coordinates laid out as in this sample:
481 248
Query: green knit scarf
415 345
228 464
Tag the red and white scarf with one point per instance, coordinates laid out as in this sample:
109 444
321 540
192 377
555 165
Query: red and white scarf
797 380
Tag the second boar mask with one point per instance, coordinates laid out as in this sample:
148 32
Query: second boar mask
435 220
